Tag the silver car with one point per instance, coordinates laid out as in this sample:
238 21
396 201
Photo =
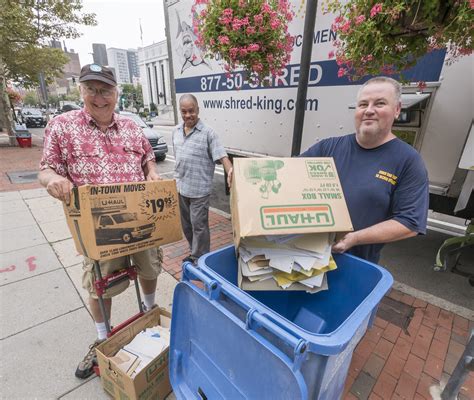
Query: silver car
158 143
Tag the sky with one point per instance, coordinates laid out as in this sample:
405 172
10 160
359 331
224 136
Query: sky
118 25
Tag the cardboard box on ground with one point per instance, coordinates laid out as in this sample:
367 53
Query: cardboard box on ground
114 220
283 207
152 382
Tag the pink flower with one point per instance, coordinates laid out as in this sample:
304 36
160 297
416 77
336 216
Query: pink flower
331 54
250 30
243 51
236 24
234 51
253 47
376 9
266 8
228 12
346 27
258 19
341 72
360 19
225 20
422 85
274 23
223 39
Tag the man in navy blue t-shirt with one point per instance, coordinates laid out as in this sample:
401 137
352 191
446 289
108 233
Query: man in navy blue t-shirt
384 179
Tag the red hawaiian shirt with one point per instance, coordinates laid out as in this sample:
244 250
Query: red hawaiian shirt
77 149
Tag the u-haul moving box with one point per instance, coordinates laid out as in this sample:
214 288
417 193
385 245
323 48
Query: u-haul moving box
109 221
284 196
152 382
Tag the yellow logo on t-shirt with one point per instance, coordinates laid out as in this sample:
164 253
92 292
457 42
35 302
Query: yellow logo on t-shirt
387 176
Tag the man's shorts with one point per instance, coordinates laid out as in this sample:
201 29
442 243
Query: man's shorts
148 263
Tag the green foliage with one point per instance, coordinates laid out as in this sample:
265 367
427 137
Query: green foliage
153 107
73 95
385 37
31 98
132 95
25 30
53 100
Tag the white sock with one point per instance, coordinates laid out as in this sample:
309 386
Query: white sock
149 300
101 330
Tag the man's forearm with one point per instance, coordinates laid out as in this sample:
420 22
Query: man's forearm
149 166
226 164
383 232
46 175
57 186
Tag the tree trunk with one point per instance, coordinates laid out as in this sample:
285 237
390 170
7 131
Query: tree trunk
7 117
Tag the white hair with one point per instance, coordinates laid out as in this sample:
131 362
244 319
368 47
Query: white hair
397 87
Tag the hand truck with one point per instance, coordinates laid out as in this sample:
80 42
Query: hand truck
101 284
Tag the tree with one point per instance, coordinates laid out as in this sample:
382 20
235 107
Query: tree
31 98
25 29
73 95
132 96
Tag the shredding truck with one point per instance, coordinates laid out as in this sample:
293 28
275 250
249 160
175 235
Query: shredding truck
256 120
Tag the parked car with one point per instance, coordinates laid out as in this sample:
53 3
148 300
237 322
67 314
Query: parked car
158 143
66 108
32 118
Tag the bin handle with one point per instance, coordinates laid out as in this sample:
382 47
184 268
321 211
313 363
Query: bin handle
300 346
254 318
190 272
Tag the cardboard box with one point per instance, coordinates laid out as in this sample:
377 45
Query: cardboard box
109 221
150 383
282 196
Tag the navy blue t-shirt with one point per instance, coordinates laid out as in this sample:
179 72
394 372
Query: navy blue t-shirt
387 182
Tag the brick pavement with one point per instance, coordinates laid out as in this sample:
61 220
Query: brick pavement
19 159
388 363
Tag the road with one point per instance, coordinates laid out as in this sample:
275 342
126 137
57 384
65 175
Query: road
410 261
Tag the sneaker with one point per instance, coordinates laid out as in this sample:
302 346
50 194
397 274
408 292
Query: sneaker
190 259
86 366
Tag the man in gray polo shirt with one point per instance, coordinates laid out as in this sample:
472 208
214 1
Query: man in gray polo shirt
197 149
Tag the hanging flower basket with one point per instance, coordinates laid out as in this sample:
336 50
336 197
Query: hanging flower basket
387 37
248 34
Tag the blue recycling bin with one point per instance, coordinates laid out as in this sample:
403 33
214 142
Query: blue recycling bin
231 344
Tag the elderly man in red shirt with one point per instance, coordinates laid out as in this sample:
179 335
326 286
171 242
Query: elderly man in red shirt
96 146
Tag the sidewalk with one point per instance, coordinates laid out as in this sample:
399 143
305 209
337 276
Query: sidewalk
46 326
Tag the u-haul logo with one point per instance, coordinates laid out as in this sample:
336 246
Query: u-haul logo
296 216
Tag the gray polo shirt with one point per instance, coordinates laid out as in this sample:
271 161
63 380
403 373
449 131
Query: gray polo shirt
196 155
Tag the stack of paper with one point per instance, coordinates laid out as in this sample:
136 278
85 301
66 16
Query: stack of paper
294 262
142 350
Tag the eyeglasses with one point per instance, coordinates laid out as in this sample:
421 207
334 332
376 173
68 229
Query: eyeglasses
104 92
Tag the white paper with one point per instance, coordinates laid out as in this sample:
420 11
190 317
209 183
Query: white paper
284 264
246 271
313 281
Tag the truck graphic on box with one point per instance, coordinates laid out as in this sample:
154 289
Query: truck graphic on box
121 226
113 223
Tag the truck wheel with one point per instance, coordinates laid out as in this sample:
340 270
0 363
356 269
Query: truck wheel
126 237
